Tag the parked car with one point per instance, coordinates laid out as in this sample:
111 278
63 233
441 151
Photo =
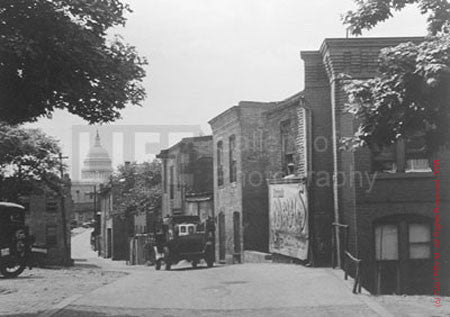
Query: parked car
184 238
15 242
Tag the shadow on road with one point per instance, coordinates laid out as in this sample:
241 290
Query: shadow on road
188 268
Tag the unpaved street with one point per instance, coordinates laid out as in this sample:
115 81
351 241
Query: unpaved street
97 287
38 290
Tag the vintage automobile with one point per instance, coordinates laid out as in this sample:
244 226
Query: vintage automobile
15 242
185 238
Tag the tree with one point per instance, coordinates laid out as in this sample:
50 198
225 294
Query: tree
55 54
412 91
28 159
137 187
370 12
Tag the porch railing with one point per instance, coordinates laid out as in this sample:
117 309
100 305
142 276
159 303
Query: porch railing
340 231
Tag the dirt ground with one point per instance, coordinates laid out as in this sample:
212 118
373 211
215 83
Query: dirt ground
38 290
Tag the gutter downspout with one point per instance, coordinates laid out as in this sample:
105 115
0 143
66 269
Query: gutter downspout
335 169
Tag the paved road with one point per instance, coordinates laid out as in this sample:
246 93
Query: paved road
233 290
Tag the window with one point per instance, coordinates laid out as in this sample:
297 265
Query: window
384 159
416 158
171 182
233 168
165 176
220 163
386 242
419 241
51 235
287 147
407 155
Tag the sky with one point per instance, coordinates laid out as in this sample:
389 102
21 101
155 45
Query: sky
207 55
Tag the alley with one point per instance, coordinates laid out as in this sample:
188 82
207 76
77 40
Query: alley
99 287
233 290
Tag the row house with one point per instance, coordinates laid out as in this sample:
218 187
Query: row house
260 146
384 197
283 185
187 179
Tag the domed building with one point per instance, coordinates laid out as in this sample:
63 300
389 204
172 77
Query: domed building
98 164
97 168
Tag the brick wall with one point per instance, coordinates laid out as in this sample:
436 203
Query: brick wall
318 100
44 220
191 161
361 203
248 195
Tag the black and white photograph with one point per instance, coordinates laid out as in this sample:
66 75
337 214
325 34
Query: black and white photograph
224 158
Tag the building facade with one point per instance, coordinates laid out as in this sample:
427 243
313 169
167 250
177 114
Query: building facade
114 227
239 180
267 155
187 179
385 197
96 170
44 218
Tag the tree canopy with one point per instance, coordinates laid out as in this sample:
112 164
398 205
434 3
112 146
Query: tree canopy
370 12
412 91
56 54
137 187
27 157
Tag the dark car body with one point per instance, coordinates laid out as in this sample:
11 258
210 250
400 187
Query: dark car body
15 242
12 218
186 238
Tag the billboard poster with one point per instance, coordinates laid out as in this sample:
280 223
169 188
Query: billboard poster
288 219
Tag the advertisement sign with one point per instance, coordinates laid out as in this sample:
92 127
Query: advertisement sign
288 219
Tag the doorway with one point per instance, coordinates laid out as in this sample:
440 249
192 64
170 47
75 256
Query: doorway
222 237
108 242
237 236
403 254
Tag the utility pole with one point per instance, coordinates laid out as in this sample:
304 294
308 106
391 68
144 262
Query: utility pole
63 211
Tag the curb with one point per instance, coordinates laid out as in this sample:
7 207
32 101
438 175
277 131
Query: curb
58 307
365 295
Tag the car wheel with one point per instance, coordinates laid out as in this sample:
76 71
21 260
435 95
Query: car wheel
209 257
158 265
194 263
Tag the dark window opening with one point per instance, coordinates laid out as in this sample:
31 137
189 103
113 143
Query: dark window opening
405 156
51 235
233 164
220 163
172 183
287 148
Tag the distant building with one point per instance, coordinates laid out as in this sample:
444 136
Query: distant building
97 169
187 178
114 228
44 219
97 165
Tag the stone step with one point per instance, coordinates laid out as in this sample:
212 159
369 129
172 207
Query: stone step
257 257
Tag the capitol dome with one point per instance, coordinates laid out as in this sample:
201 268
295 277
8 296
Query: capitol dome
98 164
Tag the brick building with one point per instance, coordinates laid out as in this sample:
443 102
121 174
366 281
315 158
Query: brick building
45 222
239 180
187 178
385 197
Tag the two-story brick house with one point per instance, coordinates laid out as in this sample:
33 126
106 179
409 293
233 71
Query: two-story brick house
187 179
385 196
255 142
